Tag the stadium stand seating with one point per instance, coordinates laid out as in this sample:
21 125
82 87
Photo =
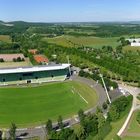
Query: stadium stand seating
33 77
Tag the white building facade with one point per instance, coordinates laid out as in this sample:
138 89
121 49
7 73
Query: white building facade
135 42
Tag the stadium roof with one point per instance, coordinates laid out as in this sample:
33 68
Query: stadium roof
34 69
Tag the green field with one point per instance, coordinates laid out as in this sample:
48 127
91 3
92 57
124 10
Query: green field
131 138
30 106
134 126
131 48
5 38
72 41
118 124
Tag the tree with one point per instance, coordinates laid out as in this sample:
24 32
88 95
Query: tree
138 117
101 120
1 60
49 127
60 122
81 116
91 125
0 135
53 135
81 133
98 110
119 49
104 106
12 131
113 113
67 134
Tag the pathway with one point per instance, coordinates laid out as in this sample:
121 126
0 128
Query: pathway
134 92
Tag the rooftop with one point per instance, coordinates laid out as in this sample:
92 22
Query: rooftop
33 69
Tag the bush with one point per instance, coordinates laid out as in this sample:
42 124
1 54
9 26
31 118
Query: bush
119 106
1 60
18 59
104 106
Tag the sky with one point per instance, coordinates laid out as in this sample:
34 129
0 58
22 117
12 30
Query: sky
70 10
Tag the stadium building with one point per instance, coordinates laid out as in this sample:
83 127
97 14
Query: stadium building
36 74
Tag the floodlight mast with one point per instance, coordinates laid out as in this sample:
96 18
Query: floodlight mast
105 88
69 65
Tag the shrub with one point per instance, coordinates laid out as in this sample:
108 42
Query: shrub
104 106
1 60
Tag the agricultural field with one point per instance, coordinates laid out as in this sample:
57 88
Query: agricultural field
30 106
130 138
130 48
25 63
5 38
72 41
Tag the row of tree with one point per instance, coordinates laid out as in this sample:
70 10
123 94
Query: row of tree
122 66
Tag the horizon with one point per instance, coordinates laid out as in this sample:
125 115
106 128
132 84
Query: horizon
69 11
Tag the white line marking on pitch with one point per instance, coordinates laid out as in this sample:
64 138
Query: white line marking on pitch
72 91
81 96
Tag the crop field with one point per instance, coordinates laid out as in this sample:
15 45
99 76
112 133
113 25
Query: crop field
71 41
16 64
5 38
131 48
30 106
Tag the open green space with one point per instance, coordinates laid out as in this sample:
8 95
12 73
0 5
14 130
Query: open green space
134 126
30 106
130 138
116 126
72 41
5 38
131 48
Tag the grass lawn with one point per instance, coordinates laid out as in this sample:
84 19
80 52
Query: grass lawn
118 124
5 38
130 138
133 125
72 41
30 106
131 48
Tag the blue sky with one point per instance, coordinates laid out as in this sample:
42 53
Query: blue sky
70 10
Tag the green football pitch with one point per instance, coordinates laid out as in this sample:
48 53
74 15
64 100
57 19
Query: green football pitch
30 106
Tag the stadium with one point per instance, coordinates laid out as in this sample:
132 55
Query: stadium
36 74
31 95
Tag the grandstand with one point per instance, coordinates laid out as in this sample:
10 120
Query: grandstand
36 74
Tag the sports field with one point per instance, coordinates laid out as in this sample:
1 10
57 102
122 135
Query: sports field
30 106
95 42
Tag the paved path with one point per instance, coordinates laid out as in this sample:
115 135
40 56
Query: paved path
134 92
40 130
